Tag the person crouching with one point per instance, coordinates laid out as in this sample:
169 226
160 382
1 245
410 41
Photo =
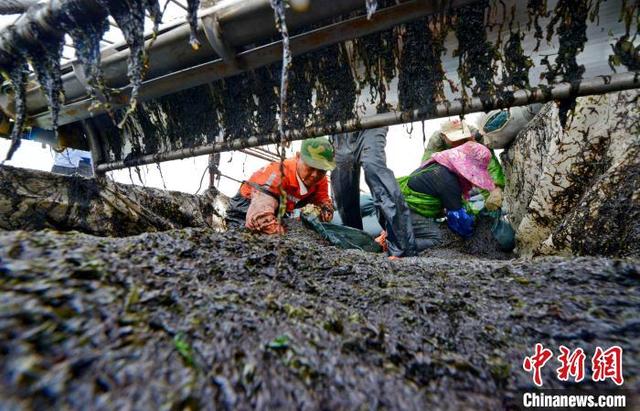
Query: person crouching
303 179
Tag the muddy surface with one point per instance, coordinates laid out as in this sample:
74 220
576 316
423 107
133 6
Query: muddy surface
193 319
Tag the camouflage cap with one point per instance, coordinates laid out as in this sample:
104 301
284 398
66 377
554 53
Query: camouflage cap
318 153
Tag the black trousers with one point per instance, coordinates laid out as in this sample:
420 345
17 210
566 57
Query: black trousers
365 149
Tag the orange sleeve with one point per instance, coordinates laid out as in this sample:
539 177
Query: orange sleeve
321 196
268 176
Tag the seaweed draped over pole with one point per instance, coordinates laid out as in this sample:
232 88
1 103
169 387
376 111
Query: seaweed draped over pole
86 35
42 47
516 66
421 79
45 53
300 92
377 52
43 50
571 18
17 73
129 15
475 54
335 85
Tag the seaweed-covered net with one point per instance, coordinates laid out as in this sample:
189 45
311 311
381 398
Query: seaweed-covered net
488 50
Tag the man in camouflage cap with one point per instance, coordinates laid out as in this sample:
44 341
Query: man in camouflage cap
318 153
303 179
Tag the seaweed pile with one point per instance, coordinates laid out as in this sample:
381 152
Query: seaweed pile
192 319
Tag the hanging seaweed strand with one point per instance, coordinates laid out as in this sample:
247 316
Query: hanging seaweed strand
475 54
17 74
192 18
570 16
44 56
281 24
86 36
129 15
624 51
421 79
537 9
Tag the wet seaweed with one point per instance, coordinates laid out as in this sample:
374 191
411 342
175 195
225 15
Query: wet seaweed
300 93
44 52
129 15
421 78
197 317
86 34
570 17
265 84
278 7
281 24
113 140
45 60
17 72
475 54
515 68
378 54
537 10
238 106
335 87
624 51
191 122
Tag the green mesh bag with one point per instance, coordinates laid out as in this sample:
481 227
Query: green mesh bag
341 236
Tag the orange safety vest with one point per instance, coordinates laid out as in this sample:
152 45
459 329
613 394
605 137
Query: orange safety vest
269 178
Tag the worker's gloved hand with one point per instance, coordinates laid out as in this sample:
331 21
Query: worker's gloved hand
494 201
326 212
460 222
265 222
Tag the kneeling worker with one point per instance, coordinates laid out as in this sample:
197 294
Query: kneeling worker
303 180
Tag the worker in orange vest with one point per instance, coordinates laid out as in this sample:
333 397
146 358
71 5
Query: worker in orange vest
305 182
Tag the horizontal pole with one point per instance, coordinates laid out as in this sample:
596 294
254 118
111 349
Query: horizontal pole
257 57
598 85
